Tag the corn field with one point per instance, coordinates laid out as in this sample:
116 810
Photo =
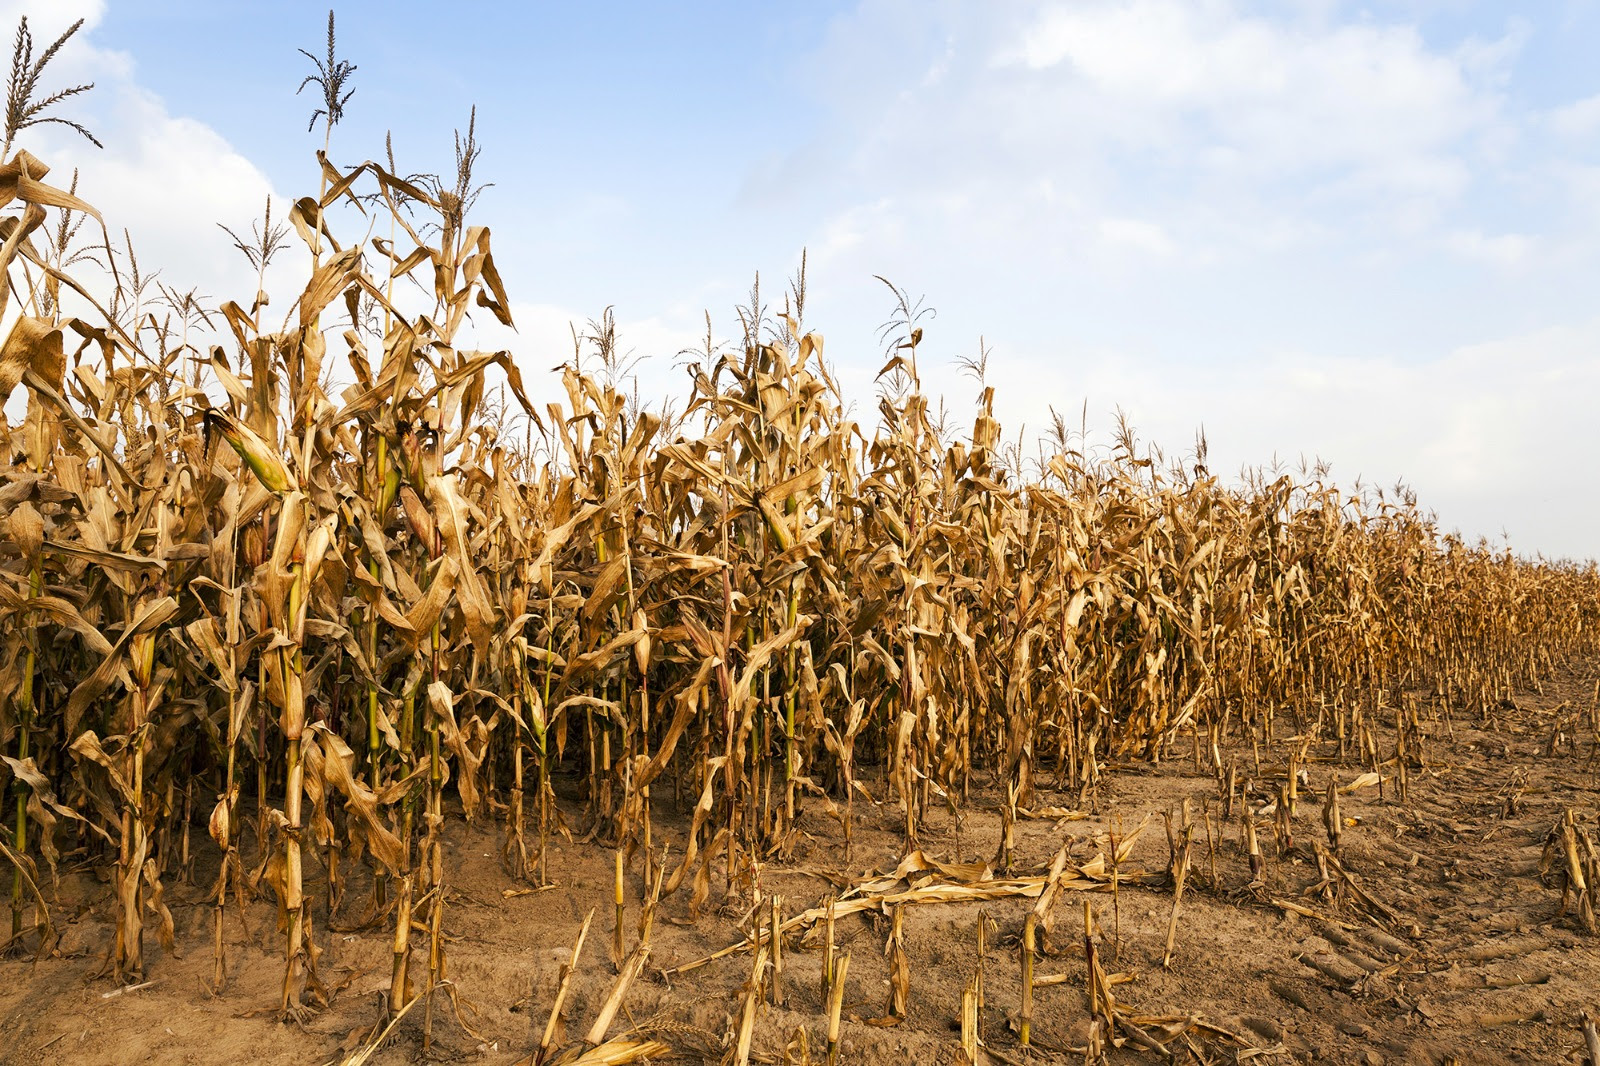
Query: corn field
284 591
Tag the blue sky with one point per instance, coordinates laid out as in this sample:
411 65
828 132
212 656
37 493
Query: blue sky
1365 233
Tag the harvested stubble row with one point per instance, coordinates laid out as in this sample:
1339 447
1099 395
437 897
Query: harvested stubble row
236 596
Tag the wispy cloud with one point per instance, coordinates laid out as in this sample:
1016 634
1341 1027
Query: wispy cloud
1275 225
1355 234
165 178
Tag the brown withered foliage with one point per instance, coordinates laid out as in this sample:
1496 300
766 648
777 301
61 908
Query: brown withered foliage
323 620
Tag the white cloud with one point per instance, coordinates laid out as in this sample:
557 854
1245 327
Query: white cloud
1137 234
1223 133
166 178
1288 99
1494 435
1506 250
544 339
170 180
1578 120
1283 227
1289 226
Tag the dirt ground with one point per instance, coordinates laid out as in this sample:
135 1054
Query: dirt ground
1461 955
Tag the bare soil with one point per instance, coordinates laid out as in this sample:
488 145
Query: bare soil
1464 957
